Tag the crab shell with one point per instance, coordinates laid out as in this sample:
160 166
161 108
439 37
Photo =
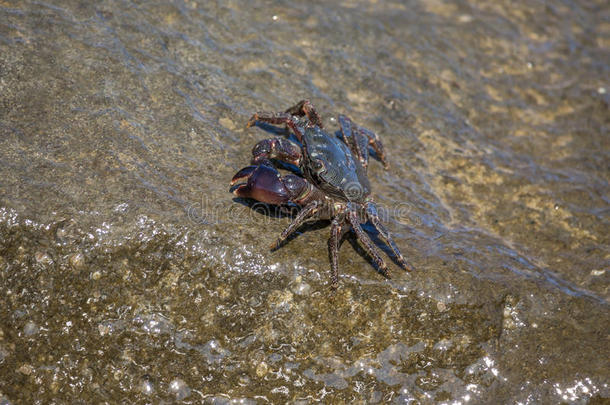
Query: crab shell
329 165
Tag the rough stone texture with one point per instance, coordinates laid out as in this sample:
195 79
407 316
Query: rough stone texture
128 272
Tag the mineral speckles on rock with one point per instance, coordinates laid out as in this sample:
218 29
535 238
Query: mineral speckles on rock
77 261
300 287
30 328
262 369
146 386
179 389
280 300
26 369
43 258
227 123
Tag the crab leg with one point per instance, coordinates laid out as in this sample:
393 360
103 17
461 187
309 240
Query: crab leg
276 148
269 117
367 243
276 119
373 216
304 107
306 213
359 139
356 142
375 143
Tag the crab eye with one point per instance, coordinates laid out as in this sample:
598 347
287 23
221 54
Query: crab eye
317 165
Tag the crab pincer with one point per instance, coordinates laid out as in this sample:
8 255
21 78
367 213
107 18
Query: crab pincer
264 183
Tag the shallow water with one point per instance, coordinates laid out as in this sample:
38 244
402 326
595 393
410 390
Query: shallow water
129 272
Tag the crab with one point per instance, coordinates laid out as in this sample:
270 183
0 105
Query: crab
332 183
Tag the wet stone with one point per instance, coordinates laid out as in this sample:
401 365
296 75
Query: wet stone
77 261
227 123
262 369
43 258
146 387
26 369
300 287
30 328
280 300
179 389
130 273
244 380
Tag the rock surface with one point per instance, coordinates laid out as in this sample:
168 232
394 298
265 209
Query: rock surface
128 272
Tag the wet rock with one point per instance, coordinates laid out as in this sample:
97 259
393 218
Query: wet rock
280 300
179 389
300 287
26 369
146 386
4 401
77 261
121 124
30 328
262 369
43 258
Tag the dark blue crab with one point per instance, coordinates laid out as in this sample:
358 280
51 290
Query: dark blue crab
334 184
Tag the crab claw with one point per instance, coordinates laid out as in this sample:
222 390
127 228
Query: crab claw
262 183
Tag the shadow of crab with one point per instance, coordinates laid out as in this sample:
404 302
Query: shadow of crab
290 211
